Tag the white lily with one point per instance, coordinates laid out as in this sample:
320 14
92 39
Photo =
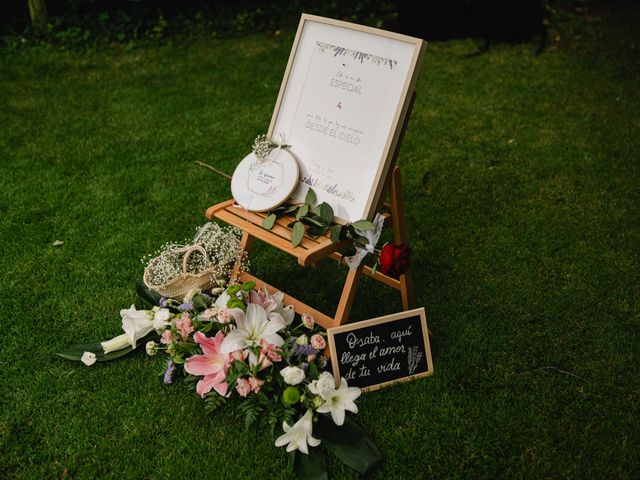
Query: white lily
117 343
273 305
299 436
252 327
339 400
221 301
136 323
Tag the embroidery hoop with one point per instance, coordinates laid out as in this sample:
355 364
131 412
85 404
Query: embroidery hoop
251 186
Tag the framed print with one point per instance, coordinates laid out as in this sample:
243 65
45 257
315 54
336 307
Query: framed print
341 105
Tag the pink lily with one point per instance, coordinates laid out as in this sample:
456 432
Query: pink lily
212 364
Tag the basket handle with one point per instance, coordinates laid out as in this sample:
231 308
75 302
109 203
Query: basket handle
188 253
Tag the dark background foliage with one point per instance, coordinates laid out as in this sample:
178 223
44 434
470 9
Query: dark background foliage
91 22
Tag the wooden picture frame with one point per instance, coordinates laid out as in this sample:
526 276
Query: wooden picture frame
311 89
335 352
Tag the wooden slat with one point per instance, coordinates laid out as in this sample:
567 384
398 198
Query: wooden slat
210 214
328 247
278 229
259 233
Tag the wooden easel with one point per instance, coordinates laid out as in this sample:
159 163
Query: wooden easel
312 250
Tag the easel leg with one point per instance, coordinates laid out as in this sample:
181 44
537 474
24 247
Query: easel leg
348 296
400 236
246 243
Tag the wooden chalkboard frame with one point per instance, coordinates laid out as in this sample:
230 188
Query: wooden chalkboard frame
377 321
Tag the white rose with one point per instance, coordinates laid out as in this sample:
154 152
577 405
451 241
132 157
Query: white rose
161 319
292 375
324 386
88 358
136 323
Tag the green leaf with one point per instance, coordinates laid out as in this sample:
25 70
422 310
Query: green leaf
363 225
248 286
312 466
177 359
233 289
268 221
326 212
335 233
315 231
315 220
297 232
304 209
350 443
311 197
147 297
313 371
75 353
199 302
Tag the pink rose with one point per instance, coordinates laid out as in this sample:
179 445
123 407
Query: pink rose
243 387
308 321
318 342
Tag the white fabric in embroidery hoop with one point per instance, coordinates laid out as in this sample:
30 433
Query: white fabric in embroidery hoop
261 185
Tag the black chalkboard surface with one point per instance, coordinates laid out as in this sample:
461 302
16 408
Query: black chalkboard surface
377 352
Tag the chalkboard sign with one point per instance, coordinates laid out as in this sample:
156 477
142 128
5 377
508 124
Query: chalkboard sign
374 353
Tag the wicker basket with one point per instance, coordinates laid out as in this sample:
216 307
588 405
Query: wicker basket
187 282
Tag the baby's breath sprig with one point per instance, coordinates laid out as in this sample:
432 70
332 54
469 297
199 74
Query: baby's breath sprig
263 145
222 245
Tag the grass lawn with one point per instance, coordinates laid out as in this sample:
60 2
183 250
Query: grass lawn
522 184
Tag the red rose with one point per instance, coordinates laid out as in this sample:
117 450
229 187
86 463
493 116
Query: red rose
394 259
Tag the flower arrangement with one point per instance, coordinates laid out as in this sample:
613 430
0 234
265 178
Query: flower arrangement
243 346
